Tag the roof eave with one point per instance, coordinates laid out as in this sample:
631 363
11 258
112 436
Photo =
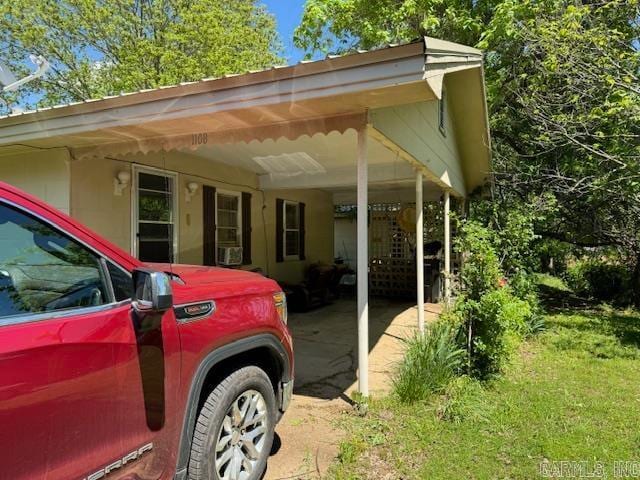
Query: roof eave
300 70
435 45
444 58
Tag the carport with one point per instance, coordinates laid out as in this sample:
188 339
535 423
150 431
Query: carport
404 123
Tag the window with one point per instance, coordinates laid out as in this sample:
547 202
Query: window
290 230
442 113
228 219
42 270
291 242
156 214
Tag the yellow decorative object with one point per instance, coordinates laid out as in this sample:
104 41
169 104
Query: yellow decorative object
406 219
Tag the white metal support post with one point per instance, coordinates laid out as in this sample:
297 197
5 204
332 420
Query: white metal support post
447 248
363 265
420 251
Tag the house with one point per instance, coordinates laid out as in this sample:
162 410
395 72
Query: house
246 170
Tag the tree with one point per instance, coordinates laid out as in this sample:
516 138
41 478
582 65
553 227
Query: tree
105 47
341 25
562 83
564 88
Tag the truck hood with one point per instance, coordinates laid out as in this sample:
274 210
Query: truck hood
195 282
198 275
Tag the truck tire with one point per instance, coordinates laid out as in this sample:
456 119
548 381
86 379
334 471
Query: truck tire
235 427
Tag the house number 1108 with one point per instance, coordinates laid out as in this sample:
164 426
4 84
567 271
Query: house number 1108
199 139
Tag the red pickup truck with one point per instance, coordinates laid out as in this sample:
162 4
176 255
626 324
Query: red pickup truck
115 369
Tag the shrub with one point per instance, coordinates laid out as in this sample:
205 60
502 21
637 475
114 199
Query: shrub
514 239
576 278
430 362
495 317
500 321
481 272
604 281
525 287
535 324
554 256
513 226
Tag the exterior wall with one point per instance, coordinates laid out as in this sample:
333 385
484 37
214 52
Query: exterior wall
93 203
319 232
415 128
43 173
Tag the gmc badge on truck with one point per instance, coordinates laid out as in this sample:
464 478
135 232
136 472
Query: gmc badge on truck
194 311
128 458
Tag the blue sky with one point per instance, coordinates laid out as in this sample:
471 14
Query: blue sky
288 14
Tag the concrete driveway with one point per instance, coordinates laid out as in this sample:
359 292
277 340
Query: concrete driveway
325 344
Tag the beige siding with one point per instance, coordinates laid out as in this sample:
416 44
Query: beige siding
43 173
319 231
415 128
93 202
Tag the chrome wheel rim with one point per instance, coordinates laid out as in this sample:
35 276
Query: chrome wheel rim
242 436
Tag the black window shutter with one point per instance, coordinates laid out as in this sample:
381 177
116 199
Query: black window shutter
208 225
279 230
302 231
246 228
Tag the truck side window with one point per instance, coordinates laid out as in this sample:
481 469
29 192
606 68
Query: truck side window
121 281
43 270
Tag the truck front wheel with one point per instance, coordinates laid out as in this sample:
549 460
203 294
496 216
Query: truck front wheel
234 431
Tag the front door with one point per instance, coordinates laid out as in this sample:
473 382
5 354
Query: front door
82 388
155 205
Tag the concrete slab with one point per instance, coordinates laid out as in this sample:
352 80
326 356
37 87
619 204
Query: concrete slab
325 344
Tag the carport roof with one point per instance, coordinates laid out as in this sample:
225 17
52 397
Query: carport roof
335 93
187 88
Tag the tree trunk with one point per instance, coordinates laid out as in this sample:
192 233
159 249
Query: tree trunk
469 347
635 282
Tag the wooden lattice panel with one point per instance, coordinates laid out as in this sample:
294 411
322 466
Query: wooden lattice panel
392 271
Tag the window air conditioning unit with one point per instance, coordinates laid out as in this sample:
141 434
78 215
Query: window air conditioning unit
230 256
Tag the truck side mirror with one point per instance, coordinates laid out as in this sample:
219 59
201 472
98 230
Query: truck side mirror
151 291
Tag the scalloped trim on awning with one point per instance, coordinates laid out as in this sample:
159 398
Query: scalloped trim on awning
289 130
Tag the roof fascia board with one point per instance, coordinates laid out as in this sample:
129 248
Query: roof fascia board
435 45
442 57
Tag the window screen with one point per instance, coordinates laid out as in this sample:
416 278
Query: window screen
156 221
291 229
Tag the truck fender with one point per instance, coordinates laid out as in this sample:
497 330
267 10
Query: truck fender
210 361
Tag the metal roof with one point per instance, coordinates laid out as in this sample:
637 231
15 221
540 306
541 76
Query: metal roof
209 79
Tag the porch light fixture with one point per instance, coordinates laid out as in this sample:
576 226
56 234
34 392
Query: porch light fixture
121 182
190 191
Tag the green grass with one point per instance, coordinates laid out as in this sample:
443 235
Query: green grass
572 393
549 281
